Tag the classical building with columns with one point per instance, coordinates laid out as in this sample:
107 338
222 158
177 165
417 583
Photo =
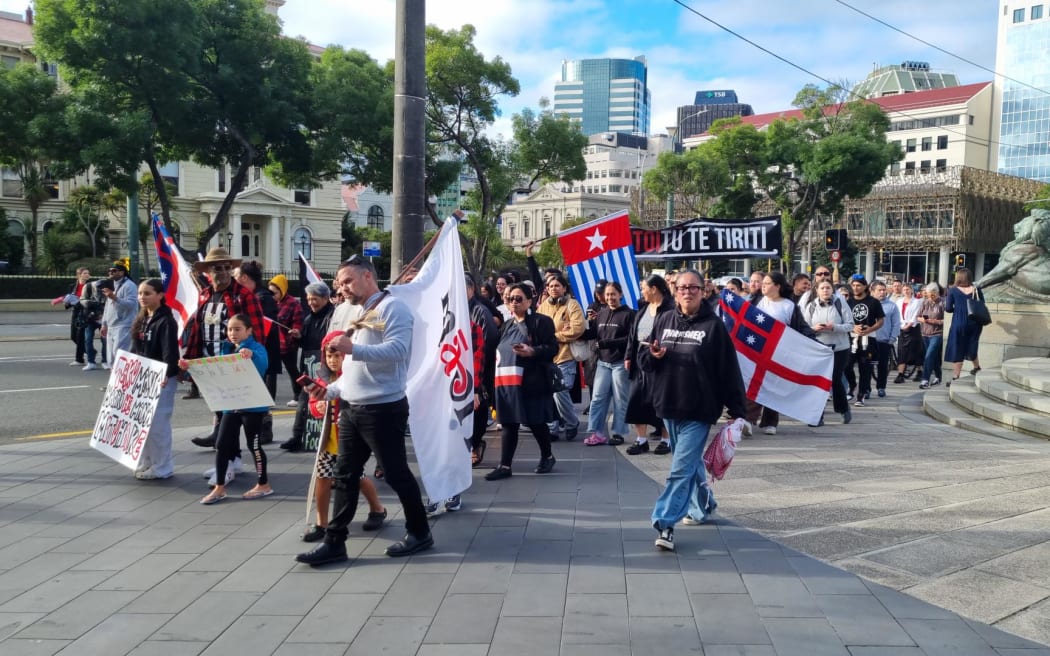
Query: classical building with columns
542 212
267 222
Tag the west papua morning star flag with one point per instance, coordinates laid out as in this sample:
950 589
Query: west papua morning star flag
782 369
601 250
441 368
180 289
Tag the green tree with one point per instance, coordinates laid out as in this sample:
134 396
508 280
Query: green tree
548 148
212 81
32 138
86 213
697 178
813 164
12 247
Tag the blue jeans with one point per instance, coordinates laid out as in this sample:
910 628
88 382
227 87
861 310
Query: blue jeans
686 492
89 342
931 365
563 400
610 384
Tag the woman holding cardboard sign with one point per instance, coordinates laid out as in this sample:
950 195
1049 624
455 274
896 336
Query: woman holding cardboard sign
239 333
155 335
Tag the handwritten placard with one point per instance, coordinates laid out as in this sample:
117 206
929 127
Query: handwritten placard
128 407
230 382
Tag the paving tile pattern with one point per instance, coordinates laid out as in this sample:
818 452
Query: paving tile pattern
94 562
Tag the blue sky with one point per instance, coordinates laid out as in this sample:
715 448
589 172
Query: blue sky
684 52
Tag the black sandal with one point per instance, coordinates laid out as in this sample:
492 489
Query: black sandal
478 455
973 372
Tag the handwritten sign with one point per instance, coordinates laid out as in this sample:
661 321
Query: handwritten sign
230 382
128 407
313 366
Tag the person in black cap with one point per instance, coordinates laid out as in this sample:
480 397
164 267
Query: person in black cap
122 305
868 316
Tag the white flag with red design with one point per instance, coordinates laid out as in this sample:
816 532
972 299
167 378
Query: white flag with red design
601 250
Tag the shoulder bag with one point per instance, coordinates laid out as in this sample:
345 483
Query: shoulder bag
976 310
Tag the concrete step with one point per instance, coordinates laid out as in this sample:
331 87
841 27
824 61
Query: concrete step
990 383
964 393
1032 374
937 403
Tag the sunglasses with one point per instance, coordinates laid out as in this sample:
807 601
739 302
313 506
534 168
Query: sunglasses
354 260
221 267
515 299
822 273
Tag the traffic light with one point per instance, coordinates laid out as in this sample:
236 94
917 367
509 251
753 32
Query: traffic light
835 239
960 260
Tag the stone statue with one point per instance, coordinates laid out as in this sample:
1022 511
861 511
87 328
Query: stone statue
1023 272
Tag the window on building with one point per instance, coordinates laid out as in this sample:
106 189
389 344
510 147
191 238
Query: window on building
50 69
525 228
942 142
301 196
303 242
927 143
909 168
12 184
910 146
375 217
256 173
895 168
1018 15
8 61
924 166
1037 12
546 227
246 246
222 179
510 230
942 165
170 173
50 183
615 189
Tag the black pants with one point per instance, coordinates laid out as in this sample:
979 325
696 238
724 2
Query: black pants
227 442
363 430
838 392
882 362
290 360
509 439
862 357
481 423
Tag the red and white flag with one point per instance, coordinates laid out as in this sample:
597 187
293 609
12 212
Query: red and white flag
782 369
601 250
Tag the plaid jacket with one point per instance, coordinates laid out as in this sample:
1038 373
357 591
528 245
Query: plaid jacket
238 300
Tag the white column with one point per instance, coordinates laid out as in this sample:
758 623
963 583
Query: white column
806 257
869 264
273 244
286 244
235 242
747 269
978 266
943 266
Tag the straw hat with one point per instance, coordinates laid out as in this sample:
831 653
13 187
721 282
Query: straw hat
214 256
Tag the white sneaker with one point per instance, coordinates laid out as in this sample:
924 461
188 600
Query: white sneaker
236 466
74 363
90 366
770 430
105 365
688 520
230 475
665 540
292 404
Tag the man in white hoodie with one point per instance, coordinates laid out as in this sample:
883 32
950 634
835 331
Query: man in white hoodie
121 307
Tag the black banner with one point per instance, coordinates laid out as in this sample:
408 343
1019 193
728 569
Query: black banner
705 238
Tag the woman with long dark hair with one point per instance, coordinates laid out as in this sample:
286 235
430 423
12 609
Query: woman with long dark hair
658 299
526 343
155 335
776 302
611 327
964 337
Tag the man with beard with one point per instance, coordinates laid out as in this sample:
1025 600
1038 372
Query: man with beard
868 317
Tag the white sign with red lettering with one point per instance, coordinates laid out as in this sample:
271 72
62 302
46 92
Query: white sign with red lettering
128 407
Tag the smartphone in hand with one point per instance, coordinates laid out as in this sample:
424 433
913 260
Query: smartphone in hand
306 381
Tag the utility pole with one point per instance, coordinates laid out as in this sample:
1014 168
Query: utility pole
410 87
133 237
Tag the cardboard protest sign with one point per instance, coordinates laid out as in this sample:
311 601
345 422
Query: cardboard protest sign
313 366
229 382
128 407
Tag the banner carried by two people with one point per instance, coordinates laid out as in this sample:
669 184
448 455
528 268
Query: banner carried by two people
706 238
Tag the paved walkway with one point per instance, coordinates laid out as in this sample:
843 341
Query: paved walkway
95 562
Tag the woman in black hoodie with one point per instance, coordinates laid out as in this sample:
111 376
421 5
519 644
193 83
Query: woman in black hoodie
611 325
694 374
155 335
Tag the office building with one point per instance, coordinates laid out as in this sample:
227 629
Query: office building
906 77
605 95
1022 113
708 107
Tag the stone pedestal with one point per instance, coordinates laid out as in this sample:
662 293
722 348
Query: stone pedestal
1018 330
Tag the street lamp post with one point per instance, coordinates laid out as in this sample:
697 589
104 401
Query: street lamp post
229 242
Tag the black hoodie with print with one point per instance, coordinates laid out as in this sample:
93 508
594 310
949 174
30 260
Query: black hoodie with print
699 374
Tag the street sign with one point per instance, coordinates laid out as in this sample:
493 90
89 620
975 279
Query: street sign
371 249
836 256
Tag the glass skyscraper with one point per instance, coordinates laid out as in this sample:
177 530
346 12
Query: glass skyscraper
1023 54
605 95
